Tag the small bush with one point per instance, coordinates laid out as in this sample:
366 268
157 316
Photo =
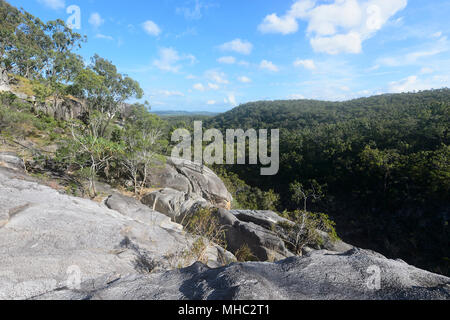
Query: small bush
304 230
207 230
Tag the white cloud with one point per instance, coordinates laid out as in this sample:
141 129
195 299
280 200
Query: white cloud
308 64
231 99
169 93
213 86
348 43
190 77
103 36
244 79
211 102
296 96
151 28
268 65
168 58
216 76
199 87
227 60
194 13
273 24
237 45
96 20
340 26
437 34
405 85
54 4
414 57
414 83
288 23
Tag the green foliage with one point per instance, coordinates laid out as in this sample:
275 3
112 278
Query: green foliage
207 231
383 162
88 152
305 230
245 196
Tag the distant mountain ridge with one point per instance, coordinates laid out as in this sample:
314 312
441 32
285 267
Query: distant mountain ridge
296 114
177 113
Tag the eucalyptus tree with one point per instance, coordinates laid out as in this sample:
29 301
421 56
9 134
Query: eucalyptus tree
105 90
62 63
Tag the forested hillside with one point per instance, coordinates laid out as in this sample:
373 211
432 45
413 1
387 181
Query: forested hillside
379 166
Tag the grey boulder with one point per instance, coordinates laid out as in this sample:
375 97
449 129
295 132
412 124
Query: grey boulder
264 244
12 161
269 220
47 236
195 180
175 204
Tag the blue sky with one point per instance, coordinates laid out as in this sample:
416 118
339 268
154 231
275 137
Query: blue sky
212 55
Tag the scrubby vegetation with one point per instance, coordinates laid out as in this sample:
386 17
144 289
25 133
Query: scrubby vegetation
108 139
378 166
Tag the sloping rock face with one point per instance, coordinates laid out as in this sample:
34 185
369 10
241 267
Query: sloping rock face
45 236
356 274
175 204
255 229
192 179
264 244
12 161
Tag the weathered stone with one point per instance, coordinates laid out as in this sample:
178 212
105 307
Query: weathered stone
264 244
136 210
321 275
195 180
263 218
11 160
45 234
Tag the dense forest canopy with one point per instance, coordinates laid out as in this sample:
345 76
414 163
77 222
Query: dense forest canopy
381 165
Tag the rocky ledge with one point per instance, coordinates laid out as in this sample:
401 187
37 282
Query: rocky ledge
356 274
54 246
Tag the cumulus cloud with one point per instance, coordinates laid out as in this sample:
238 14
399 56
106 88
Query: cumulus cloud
169 93
231 99
213 86
211 102
96 20
216 76
268 65
340 26
307 64
151 28
169 60
227 60
244 79
414 83
199 87
54 4
237 45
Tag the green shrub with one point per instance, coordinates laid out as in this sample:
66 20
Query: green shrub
205 227
304 230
